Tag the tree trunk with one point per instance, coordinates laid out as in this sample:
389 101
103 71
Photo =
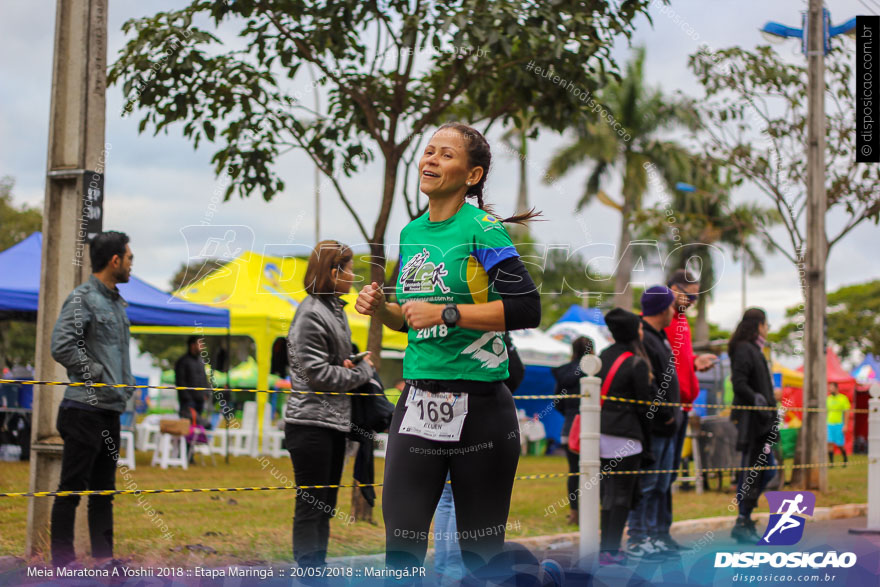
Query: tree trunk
361 511
377 274
623 297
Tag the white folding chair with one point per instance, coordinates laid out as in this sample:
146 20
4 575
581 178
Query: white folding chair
273 438
243 440
171 452
126 449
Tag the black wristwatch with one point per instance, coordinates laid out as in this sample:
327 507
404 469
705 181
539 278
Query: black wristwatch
450 315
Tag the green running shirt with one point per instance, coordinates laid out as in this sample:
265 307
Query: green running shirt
448 262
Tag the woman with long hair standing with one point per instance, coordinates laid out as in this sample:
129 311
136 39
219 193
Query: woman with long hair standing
318 348
461 285
756 429
624 439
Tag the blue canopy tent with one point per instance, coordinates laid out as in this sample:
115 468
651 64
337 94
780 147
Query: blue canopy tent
581 314
868 370
20 292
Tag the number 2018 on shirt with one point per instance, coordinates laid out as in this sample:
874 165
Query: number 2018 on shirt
435 330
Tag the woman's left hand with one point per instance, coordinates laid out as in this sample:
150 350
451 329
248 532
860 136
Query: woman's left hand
422 314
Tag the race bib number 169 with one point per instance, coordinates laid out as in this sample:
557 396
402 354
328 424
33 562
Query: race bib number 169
435 416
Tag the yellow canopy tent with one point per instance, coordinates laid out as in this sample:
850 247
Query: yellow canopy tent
790 377
262 294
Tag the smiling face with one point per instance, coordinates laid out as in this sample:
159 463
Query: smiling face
444 168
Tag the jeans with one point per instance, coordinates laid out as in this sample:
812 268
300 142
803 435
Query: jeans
664 516
91 441
318 455
447 553
643 520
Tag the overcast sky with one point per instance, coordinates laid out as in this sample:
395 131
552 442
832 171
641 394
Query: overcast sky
156 186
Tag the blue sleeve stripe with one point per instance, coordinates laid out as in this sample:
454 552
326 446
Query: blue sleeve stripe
488 258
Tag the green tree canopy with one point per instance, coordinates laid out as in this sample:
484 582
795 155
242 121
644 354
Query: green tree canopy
390 70
755 123
625 136
853 321
18 339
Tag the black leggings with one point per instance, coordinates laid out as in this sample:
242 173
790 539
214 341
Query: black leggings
481 465
619 494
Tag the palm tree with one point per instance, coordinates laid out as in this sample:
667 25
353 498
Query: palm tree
641 114
516 142
706 219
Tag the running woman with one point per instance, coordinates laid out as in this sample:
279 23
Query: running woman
461 285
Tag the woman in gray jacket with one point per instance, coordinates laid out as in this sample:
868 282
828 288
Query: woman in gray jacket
318 347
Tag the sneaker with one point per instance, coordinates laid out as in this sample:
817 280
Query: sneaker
645 548
552 574
744 531
668 543
121 565
606 558
753 531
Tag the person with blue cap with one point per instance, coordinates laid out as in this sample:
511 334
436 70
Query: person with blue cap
658 310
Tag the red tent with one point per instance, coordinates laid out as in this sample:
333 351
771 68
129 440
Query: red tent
846 384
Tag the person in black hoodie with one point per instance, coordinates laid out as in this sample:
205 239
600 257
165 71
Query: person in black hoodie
624 440
644 532
756 430
568 383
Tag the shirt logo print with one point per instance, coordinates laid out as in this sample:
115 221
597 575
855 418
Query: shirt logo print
421 276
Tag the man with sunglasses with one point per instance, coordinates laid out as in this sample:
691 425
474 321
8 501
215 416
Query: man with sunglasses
685 287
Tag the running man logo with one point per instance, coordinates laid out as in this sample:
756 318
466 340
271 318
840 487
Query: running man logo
421 276
786 527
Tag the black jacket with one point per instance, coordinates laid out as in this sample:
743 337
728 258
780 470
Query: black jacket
665 387
631 382
189 371
568 382
752 386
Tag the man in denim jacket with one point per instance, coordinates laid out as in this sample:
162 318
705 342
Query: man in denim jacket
91 340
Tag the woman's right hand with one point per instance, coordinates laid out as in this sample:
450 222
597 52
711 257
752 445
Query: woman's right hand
370 300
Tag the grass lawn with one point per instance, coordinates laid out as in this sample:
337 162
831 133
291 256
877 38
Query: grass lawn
256 526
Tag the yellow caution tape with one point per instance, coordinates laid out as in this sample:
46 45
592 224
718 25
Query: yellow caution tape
300 487
350 393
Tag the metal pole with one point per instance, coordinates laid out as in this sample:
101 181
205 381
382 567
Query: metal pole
76 147
588 487
815 386
745 262
873 526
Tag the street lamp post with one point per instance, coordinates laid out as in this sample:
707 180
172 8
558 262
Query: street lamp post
816 36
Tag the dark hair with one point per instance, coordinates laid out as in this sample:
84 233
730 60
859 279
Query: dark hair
682 277
582 345
104 246
191 340
747 329
328 255
638 349
479 155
